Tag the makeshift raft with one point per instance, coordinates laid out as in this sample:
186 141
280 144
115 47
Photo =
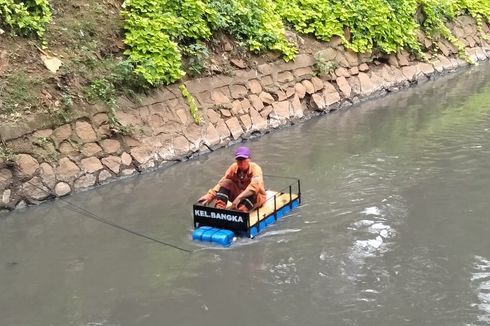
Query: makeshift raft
221 226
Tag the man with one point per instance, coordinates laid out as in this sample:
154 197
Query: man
242 184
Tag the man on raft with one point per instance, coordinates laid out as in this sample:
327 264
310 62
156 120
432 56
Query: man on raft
242 185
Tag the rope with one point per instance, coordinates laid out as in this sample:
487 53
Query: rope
82 211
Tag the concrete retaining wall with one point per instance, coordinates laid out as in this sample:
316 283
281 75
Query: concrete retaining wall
55 162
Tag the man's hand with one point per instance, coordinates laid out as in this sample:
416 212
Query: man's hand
206 199
234 204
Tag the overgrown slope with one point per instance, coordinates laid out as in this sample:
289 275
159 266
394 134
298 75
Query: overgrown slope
108 47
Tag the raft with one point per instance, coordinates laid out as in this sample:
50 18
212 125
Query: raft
221 226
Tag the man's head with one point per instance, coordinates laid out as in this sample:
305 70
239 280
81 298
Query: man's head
242 157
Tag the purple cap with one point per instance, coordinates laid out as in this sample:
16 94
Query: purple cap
242 152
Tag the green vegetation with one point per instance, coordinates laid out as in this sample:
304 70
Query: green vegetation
192 104
254 23
159 31
167 39
321 66
107 89
438 12
387 25
25 17
7 154
19 93
197 54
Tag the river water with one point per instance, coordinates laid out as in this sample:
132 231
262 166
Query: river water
394 229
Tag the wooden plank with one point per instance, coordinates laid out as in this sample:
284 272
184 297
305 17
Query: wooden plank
267 209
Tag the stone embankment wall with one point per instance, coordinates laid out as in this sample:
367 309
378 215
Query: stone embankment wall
55 162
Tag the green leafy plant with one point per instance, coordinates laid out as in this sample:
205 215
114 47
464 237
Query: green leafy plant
25 17
254 23
62 114
437 13
385 25
154 29
159 32
121 79
192 104
197 54
125 80
321 66
104 90
372 24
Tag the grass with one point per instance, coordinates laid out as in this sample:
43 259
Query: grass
19 93
6 153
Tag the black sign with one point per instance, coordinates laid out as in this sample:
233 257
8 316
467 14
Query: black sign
220 218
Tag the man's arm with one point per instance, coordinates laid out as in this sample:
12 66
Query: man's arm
211 194
244 194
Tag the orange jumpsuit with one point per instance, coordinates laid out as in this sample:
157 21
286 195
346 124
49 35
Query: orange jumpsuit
236 181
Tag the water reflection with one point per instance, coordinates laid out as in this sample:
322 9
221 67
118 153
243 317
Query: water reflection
480 279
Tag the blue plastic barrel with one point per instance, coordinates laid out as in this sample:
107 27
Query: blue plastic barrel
223 237
213 235
197 234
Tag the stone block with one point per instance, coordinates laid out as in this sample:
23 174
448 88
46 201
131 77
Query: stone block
238 91
266 98
62 133
62 189
258 122
297 107
367 87
44 133
48 177
104 175
91 149
85 132
222 129
255 86
409 72
211 137
246 121
256 102
113 163
219 97
303 73
234 127
309 88
344 86
126 159
141 154
317 101
26 165
285 77
85 181
282 109
91 164
267 80
110 146
300 90
67 170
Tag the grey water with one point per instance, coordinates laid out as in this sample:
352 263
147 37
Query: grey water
394 229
